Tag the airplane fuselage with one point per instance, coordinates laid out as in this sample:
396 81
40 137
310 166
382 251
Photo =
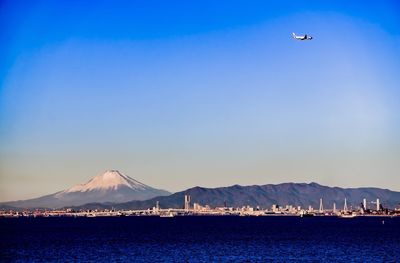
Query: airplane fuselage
305 37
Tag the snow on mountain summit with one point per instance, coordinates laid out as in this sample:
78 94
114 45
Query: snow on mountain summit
109 180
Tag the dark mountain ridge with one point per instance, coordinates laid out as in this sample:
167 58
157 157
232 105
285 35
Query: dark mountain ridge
264 196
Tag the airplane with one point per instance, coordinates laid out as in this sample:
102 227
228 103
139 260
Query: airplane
305 37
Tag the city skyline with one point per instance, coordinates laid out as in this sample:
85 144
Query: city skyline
212 94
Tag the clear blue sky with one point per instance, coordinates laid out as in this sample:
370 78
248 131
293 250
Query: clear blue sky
212 93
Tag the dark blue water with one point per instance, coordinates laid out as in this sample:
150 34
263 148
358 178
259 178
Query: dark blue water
200 239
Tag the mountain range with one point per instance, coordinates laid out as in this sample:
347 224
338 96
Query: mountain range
113 189
264 196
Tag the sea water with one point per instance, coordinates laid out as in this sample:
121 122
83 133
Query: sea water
200 239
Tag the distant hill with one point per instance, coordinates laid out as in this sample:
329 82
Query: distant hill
110 187
298 194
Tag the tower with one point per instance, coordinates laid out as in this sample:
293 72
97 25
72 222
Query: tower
187 202
321 207
365 204
345 205
378 205
334 207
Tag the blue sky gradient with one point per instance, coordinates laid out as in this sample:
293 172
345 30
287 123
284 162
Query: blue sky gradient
212 94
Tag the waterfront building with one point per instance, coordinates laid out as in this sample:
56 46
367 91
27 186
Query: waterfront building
187 202
321 206
196 207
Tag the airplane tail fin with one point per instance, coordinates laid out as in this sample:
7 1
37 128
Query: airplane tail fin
294 35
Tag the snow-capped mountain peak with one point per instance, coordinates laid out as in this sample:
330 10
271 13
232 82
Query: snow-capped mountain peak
110 179
111 186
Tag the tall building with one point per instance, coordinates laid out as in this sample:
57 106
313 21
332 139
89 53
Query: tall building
378 205
321 207
187 202
345 205
334 207
365 203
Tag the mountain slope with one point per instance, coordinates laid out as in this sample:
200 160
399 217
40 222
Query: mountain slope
298 194
109 187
